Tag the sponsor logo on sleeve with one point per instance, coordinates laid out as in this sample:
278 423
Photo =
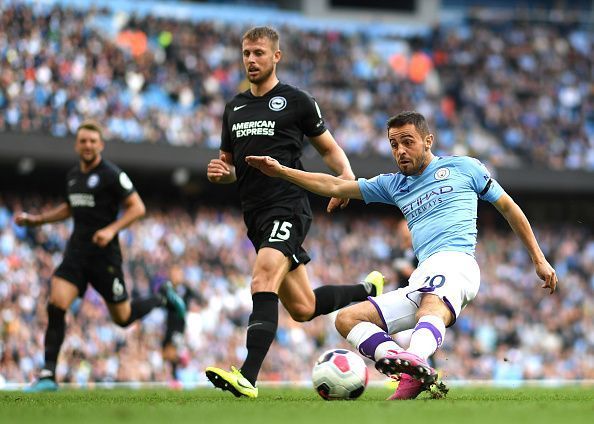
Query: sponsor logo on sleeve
125 181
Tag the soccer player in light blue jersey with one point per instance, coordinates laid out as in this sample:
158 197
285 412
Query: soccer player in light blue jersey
438 197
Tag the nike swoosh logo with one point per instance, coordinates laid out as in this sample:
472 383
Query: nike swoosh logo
254 324
244 383
272 240
236 108
45 374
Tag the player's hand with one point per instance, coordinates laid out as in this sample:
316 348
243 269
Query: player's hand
27 220
103 236
266 165
336 203
219 171
546 273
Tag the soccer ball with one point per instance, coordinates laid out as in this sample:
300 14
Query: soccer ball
339 374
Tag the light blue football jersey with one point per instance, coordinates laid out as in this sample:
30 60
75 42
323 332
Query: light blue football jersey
440 205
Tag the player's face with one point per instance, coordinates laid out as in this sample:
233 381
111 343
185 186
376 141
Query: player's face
409 148
88 145
176 275
259 59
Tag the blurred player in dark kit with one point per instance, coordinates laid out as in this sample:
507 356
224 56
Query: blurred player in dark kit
95 190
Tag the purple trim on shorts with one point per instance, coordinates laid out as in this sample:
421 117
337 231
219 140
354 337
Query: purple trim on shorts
438 336
379 311
451 308
408 297
426 289
444 299
368 347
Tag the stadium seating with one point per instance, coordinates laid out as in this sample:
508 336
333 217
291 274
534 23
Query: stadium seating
154 79
512 330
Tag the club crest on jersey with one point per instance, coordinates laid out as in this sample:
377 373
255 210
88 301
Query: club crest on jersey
442 174
277 103
93 180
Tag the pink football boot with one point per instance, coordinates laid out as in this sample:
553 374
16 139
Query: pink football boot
409 364
408 388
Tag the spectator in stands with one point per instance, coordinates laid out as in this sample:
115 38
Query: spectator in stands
493 89
342 246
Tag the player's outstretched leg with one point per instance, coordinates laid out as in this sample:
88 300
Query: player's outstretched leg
332 298
233 382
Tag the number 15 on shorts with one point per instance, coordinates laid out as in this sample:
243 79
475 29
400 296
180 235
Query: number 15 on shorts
281 231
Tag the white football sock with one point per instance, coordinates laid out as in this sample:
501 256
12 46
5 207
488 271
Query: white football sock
403 337
427 336
371 341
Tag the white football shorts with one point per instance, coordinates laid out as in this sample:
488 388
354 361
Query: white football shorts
453 276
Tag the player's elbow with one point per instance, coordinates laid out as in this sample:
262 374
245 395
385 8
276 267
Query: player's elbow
331 190
340 190
141 210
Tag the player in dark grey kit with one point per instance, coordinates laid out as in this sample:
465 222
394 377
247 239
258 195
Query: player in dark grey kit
272 118
175 326
95 190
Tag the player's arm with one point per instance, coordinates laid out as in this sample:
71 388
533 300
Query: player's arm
519 223
322 184
133 209
59 213
336 160
221 170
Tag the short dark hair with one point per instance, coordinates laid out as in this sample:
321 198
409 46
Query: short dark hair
256 33
410 117
89 124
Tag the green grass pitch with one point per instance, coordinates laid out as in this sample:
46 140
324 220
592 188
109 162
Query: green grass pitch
562 405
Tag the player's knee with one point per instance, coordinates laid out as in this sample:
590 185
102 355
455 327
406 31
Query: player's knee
60 300
442 312
169 352
260 283
301 312
121 322
345 321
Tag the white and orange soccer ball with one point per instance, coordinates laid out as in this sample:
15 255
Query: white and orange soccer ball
340 374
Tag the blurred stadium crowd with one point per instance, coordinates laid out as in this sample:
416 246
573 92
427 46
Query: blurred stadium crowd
512 330
508 92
